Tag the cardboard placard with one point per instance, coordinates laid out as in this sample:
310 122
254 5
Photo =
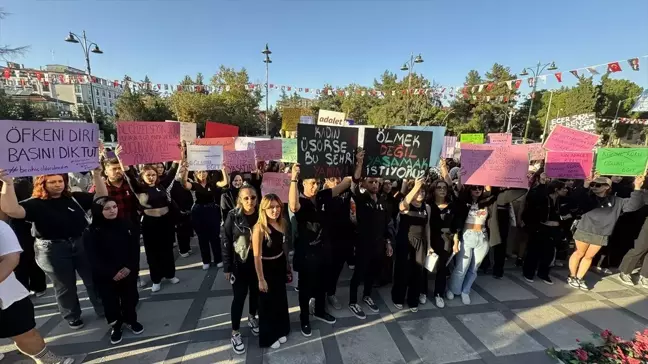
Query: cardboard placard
277 183
289 150
474 138
187 131
494 165
576 165
148 142
226 142
438 133
396 154
334 118
500 138
326 151
219 130
563 139
621 161
205 157
268 150
239 160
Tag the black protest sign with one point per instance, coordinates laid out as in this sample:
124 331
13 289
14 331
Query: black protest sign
396 154
326 151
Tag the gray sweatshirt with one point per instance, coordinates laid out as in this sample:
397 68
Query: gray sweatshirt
601 220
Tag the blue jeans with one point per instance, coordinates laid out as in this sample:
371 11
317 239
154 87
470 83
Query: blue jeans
472 250
61 260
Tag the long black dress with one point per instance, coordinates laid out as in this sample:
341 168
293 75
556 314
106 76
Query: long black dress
274 320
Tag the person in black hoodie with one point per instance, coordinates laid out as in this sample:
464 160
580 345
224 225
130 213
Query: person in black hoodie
229 196
113 251
441 231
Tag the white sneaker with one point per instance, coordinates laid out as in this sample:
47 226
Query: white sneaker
206 266
438 301
414 309
449 295
282 340
237 344
219 265
398 306
185 255
174 280
422 299
156 287
276 345
465 298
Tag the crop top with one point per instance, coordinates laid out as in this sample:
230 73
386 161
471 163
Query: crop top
477 216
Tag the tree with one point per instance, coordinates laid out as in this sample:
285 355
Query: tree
7 51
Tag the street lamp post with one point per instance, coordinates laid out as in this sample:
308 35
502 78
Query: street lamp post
544 132
267 62
409 66
538 70
73 38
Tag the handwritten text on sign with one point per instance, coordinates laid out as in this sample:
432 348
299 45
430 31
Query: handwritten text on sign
472 138
494 165
31 148
536 151
239 160
448 149
500 138
227 143
576 165
621 161
268 150
187 131
204 157
289 150
326 151
563 138
277 183
148 142
391 153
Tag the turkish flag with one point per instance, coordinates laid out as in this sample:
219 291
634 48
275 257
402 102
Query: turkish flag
518 83
558 76
488 88
614 67
6 73
39 76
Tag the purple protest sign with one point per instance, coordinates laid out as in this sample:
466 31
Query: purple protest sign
448 149
267 150
32 148
239 160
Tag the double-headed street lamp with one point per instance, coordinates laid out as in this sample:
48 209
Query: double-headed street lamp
87 49
409 66
536 72
267 61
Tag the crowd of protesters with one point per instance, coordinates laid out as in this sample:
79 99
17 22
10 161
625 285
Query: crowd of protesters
401 232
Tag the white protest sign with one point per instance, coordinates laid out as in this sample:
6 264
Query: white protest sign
334 118
187 131
305 119
205 157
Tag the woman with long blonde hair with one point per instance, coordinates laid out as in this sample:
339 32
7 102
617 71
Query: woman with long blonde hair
269 246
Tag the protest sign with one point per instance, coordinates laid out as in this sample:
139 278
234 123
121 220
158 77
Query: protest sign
621 161
239 160
245 143
187 131
472 138
583 122
448 148
536 151
31 148
268 150
290 118
219 130
576 165
277 183
226 142
500 138
438 133
326 151
148 142
306 120
204 157
494 165
396 154
563 138
334 118
289 150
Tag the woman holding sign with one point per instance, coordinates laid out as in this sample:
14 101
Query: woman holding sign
59 218
157 223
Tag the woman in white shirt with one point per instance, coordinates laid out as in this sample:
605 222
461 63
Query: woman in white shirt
16 310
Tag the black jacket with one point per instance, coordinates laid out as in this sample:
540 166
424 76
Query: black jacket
228 202
109 249
235 226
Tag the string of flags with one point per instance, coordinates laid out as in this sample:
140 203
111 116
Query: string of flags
627 121
23 78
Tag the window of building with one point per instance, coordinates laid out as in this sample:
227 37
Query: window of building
46 87
104 102
97 92
79 100
77 89
103 93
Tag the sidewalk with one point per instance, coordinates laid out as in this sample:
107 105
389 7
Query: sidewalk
509 321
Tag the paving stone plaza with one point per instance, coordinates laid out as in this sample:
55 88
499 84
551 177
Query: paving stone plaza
509 321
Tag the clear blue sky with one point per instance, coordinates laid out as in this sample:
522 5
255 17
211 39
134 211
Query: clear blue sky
337 42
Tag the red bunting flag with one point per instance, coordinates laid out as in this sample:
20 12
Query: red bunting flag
634 63
574 72
6 73
39 76
488 88
614 67
518 83
558 76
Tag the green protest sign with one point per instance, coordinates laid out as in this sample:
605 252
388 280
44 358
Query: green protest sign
621 161
289 150
472 138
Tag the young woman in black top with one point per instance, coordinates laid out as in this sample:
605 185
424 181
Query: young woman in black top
272 269
59 218
229 196
441 232
412 245
113 249
157 222
205 214
238 264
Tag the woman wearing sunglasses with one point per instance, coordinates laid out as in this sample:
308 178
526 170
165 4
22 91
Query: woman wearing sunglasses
600 212
238 265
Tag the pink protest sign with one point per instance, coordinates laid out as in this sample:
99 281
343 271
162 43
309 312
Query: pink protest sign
563 138
148 142
268 150
576 165
239 160
448 149
32 148
500 138
277 183
226 142
536 151
494 165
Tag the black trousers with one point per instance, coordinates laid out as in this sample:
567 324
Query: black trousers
245 281
313 279
369 261
543 241
206 222
341 250
184 231
158 243
499 250
119 298
637 254
408 275
28 272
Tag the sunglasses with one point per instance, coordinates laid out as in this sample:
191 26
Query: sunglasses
597 185
441 187
476 188
248 198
